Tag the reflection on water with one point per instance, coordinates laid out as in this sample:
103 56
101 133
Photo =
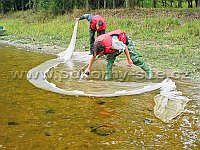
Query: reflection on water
30 116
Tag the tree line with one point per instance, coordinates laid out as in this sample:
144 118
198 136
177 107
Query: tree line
62 6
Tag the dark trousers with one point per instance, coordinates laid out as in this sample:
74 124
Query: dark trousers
92 39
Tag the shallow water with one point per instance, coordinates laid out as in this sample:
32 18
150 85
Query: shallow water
67 76
32 118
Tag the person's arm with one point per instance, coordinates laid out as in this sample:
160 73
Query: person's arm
86 16
92 59
130 62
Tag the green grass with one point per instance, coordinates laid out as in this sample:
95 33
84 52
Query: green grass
162 36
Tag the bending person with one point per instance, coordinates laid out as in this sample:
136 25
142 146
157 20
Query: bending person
112 44
97 23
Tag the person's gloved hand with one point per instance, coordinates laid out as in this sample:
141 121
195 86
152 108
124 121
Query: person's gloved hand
84 74
87 71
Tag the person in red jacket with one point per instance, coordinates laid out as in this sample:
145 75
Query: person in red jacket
112 44
97 24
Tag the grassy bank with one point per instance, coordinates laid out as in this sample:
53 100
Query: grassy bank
167 39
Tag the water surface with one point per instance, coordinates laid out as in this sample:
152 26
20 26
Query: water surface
32 118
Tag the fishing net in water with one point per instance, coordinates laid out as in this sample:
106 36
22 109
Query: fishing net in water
169 103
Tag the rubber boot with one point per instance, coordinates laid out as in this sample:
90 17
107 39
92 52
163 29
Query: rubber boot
147 70
109 66
138 62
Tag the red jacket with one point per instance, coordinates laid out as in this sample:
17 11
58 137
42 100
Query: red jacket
106 40
94 21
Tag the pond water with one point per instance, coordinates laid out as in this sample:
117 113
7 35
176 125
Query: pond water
32 118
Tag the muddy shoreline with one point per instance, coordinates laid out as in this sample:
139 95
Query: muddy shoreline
41 48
